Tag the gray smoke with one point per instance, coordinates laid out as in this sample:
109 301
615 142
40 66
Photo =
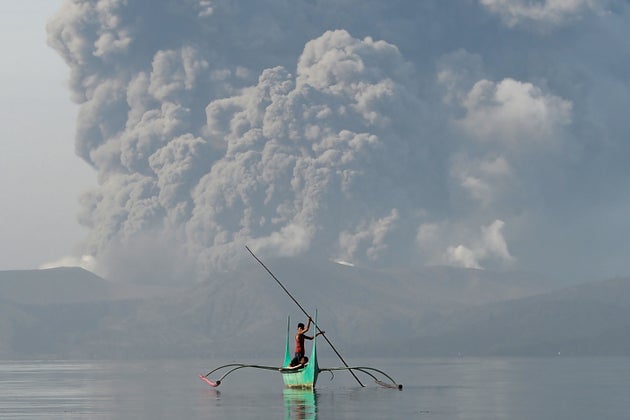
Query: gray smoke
367 131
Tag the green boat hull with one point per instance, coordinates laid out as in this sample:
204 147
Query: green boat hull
302 378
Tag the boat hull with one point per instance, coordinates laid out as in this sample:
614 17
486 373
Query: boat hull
304 379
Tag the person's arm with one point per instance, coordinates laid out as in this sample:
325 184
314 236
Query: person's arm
308 325
311 337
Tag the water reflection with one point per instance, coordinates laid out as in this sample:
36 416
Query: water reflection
300 404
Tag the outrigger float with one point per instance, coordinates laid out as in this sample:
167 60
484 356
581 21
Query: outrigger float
302 376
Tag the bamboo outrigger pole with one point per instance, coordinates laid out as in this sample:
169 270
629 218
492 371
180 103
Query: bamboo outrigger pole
305 313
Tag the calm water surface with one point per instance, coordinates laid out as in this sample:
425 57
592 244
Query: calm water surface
463 388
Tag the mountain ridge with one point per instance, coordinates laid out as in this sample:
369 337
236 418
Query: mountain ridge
435 311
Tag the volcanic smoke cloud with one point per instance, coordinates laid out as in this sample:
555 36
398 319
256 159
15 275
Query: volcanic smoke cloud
373 132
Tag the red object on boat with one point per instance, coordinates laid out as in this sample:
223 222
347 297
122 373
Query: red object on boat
208 381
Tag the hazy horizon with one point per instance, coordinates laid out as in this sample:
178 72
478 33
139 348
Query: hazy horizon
73 314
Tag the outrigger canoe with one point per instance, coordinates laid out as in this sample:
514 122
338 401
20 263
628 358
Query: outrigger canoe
301 376
304 377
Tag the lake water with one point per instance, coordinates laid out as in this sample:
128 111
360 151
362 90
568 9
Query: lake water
435 389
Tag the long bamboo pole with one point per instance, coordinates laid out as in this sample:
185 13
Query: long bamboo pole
304 311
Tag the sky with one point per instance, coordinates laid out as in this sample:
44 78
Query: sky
487 134
40 175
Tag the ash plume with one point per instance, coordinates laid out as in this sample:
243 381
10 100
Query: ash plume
382 134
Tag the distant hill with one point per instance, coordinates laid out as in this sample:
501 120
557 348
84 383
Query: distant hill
54 285
72 313
589 319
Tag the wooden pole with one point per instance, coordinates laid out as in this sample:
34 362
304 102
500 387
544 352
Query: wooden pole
304 311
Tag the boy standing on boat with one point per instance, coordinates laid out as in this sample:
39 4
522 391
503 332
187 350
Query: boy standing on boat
299 359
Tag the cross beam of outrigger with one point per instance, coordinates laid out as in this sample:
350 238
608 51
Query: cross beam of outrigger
302 376
369 371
